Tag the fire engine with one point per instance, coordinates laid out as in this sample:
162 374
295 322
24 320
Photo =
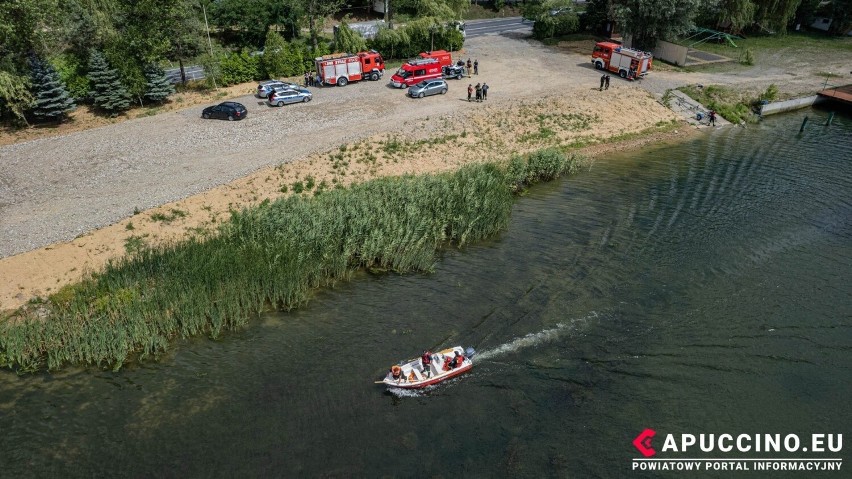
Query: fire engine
429 66
342 68
627 62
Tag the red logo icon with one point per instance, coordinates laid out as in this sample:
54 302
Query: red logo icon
643 442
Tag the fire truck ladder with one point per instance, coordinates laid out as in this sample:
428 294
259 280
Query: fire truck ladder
423 61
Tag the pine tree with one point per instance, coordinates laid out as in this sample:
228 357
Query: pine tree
51 100
157 85
108 93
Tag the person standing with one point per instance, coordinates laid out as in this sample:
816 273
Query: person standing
307 79
426 361
484 91
603 79
469 66
606 82
469 91
478 92
712 117
476 67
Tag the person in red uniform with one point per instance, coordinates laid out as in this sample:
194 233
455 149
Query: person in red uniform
426 360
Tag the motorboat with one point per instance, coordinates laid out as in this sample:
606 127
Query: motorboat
411 374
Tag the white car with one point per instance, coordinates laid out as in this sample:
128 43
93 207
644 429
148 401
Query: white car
264 88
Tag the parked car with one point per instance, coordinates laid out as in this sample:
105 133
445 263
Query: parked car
229 110
263 88
285 96
428 87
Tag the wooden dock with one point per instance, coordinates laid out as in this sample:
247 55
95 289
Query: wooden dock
842 94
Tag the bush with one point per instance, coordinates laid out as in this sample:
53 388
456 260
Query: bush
239 68
418 36
549 26
72 71
747 57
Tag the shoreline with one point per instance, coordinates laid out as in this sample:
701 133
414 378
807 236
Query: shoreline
44 271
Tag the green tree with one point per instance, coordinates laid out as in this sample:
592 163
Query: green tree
316 12
348 40
281 58
15 96
736 14
158 87
650 20
841 17
26 26
239 67
246 22
51 101
108 93
774 15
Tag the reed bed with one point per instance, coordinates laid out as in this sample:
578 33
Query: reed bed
267 257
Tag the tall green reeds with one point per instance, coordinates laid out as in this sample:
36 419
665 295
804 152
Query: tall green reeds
270 256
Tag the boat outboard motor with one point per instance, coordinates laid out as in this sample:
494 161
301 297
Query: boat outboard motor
469 352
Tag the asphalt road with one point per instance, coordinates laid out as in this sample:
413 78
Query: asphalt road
475 28
478 28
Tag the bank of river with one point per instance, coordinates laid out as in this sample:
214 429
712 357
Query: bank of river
702 287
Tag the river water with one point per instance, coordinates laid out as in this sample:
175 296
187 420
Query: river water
700 287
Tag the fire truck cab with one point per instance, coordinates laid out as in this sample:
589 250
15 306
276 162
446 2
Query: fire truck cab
627 62
429 66
342 68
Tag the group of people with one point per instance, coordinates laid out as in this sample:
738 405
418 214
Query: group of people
475 67
426 361
312 79
481 91
604 82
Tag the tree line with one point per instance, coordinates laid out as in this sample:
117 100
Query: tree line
650 20
55 54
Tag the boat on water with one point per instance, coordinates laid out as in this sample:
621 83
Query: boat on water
411 374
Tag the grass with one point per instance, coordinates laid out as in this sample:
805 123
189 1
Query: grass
733 104
819 44
270 256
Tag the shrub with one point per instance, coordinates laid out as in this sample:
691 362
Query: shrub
239 68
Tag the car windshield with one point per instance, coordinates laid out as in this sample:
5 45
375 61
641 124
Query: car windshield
422 84
403 73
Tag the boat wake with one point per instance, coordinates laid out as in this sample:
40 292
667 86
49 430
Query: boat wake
535 339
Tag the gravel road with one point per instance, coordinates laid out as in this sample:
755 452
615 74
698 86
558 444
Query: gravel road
55 189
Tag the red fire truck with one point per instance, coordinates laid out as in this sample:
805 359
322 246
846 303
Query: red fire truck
429 66
342 68
627 62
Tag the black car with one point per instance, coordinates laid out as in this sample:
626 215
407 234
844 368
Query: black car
229 110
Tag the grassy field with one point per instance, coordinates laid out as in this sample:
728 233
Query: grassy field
267 257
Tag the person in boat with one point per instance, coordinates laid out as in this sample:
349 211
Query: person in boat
426 361
457 361
396 374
